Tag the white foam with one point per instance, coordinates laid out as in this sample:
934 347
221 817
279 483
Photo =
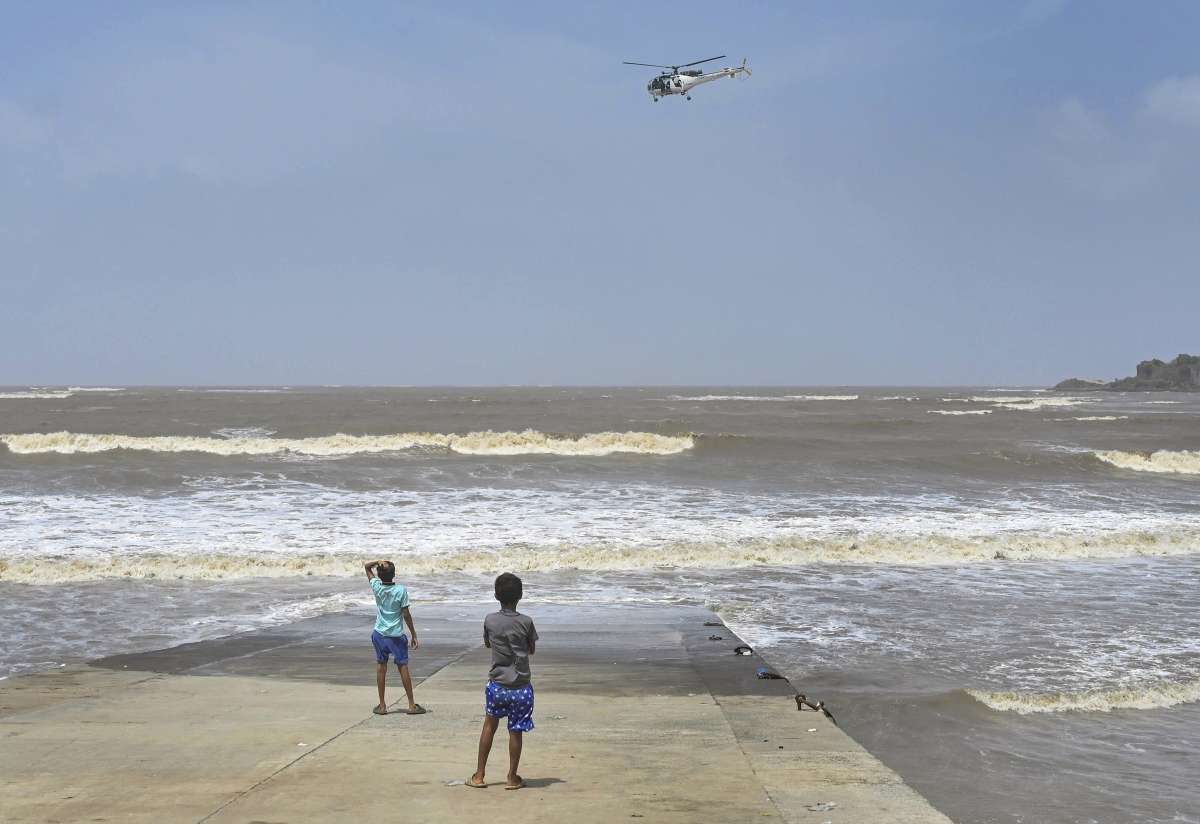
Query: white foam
780 398
243 432
1150 696
529 442
899 398
236 391
34 394
959 411
1025 404
1182 462
96 389
1094 418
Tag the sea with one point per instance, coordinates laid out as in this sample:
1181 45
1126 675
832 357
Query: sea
996 590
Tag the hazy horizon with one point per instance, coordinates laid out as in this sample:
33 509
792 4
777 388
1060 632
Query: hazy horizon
66 385
288 194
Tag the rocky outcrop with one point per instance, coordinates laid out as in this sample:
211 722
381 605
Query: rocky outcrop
1179 375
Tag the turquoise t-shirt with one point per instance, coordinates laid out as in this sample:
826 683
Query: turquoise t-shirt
389 599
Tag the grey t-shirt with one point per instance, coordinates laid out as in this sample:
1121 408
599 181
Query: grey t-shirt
511 634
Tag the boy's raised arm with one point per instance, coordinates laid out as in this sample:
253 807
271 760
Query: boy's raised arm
369 567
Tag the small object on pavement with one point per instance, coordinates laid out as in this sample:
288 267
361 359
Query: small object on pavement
716 638
743 650
763 672
821 806
802 702
713 624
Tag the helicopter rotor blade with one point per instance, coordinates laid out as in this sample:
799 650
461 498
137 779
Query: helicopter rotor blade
698 62
651 65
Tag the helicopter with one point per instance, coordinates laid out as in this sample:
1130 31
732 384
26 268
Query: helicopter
682 79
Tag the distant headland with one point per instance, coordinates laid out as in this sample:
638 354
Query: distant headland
1179 375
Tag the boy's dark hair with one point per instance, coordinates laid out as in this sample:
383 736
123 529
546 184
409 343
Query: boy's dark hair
386 571
508 589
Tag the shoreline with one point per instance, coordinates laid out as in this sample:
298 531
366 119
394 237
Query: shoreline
639 715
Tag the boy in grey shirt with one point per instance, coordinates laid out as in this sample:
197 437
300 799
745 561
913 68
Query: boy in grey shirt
511 637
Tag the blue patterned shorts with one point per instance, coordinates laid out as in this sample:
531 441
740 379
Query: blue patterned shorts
517 704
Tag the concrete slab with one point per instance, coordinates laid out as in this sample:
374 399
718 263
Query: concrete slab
638 715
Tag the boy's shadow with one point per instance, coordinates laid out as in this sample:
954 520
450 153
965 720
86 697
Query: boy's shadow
543 782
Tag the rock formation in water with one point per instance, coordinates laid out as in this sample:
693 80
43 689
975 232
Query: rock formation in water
1179 375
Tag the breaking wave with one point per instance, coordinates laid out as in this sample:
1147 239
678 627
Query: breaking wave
1021 403
959 411
1142 697
1182 462
35 394
764 397
278 390
851 549
1031 404
1094 418
529 442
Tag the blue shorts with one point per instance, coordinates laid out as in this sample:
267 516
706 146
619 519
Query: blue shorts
397 645
517 704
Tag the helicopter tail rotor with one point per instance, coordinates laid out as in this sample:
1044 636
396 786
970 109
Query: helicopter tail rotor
745 68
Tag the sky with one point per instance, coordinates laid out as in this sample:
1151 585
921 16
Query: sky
481 193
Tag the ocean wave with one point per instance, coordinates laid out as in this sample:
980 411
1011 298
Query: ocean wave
764 397
959 411
243 432
1023 404
1182 462
851 549
1094 418
1152 696
95 389
279 390
36 394
529 442
898 398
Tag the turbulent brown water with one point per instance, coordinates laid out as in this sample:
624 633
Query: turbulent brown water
995 588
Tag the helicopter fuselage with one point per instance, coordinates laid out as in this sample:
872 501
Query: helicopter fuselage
683 82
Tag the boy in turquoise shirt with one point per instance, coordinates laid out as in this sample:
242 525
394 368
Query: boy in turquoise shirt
388 638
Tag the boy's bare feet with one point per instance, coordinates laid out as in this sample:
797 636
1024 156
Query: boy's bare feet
380 709
515 782
476 781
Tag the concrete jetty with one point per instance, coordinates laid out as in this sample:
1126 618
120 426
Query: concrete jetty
639 716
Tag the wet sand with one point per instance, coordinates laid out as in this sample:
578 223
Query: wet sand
638 715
